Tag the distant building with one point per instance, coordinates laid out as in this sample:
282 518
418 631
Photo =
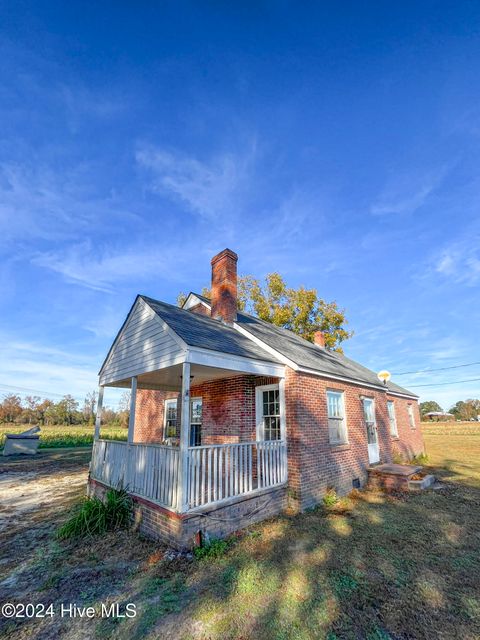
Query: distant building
437 416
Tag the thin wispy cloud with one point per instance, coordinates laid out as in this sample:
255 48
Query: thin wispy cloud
406 194
105 268
80 102
459 262
40 367
59 95
210 189
37 202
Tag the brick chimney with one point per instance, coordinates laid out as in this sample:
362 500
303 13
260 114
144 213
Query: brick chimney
224 286
319 338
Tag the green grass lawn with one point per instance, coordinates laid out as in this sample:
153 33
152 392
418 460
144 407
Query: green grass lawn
65 435
373 567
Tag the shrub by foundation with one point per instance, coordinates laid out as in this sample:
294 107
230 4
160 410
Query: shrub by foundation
94 517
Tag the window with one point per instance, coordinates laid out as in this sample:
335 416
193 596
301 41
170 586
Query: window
196 422
411 417
170 427
337 428
392 418
268 413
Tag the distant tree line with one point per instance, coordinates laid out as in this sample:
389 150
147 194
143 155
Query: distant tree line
465 410
67 411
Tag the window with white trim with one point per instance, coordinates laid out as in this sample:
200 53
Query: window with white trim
268 412
411 416
393 419
196 408
337 426
170 426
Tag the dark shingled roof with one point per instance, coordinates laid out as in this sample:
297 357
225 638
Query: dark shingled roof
207 333
308 355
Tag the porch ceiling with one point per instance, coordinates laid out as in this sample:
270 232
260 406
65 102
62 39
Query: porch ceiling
169 378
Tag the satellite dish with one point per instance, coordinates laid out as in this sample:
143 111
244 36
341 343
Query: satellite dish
384 376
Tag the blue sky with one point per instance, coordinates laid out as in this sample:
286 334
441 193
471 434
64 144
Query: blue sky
336 143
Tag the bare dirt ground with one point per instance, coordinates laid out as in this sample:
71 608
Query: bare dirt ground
35 492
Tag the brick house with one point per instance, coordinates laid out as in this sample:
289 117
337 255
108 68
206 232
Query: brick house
232 417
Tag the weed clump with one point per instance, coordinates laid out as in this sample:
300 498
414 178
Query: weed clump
421 458
330 499
214 548
94 517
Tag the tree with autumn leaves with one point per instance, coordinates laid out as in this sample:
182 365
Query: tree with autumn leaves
300 310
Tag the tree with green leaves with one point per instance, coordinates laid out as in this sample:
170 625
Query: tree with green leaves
466 409
299 310
10 408
66 408
428 406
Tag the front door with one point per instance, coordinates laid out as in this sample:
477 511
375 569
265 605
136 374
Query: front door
371 426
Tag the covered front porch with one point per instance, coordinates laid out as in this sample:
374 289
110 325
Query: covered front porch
235 457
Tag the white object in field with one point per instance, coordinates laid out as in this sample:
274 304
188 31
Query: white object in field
22 443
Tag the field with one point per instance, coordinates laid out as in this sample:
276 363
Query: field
65 435
373 567
455 446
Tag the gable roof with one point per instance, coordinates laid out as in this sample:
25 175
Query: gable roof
206 333
307 355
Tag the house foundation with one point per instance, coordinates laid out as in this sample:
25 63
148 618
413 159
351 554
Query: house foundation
218 521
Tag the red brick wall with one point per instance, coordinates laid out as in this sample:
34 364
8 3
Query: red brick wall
228 406
313 463
149 415
410 441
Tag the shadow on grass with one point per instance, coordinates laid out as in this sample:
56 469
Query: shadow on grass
385 567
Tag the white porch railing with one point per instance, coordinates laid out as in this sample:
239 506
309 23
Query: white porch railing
147 470
223 471
215 472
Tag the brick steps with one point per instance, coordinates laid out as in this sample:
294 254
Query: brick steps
397 477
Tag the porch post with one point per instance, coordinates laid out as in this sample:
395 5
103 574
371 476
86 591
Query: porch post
98 417
283 417
129 469
184 440
131 418
283 428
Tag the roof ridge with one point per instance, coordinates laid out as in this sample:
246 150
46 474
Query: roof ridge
331 358
198 317
269 324
177 308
